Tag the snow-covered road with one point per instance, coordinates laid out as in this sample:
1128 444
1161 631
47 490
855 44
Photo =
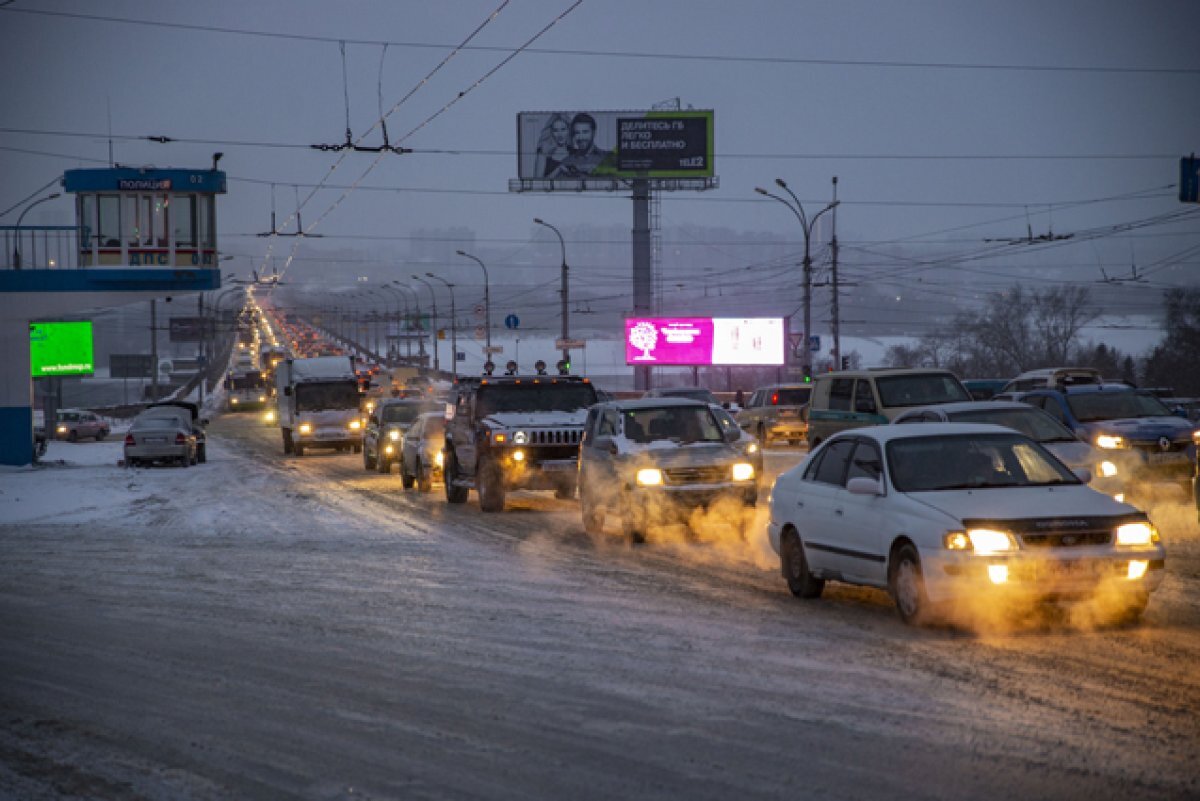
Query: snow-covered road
261 627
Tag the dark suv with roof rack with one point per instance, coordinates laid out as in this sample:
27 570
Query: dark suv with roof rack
514 432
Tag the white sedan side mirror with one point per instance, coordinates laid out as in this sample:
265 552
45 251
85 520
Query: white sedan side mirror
865 486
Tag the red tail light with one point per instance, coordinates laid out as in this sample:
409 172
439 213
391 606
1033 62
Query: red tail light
180 439
129 439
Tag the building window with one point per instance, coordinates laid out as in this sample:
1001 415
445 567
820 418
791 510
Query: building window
183 218
109 224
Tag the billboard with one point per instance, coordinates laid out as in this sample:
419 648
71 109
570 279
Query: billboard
691 341
61 349
130 365
614 144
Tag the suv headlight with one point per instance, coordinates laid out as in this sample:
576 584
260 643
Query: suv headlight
983 541
306 428
649 477
743 471
1136 534
355 425
393 435
1110 442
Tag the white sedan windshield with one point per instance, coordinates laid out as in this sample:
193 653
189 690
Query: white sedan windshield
972 461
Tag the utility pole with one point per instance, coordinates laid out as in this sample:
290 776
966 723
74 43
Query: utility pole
833 252
453 325
433 298
153 351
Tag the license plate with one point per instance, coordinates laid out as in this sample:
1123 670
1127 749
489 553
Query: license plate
1167 458
1072 569
328 435
154 440
558 467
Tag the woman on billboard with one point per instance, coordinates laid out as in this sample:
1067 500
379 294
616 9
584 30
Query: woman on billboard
552 147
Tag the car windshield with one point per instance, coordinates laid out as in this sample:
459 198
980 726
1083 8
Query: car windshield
530 397
920 390
401 412
1031 422
335 395
1091 406
682 424
790 397
972 461
253 381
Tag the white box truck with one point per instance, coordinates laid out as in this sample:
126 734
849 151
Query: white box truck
318 402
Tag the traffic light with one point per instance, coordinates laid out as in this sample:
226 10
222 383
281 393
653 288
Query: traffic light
564 367
808 374
845 362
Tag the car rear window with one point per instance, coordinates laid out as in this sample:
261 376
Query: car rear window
791 397
920 390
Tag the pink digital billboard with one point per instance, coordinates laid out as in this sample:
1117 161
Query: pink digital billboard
689 341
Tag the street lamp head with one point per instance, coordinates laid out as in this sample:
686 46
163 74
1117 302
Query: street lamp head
760 190
461 252
430 275
538 220
54 195
780 183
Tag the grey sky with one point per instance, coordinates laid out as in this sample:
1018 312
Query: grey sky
803 91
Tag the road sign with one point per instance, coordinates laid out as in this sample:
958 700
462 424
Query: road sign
814 343
480 310
796 340
187 329
480 332
570 344
493 349
460 356
512 321
130 365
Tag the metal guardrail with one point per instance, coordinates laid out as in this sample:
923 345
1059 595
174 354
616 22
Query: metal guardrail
39 247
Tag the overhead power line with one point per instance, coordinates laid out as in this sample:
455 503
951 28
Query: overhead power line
631 54
510 153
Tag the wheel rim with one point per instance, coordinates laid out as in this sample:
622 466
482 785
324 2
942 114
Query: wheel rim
908 588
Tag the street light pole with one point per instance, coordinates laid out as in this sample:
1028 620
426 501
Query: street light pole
17 244
396 318
453 325
566 318
417 306
433 298
487 303
806 226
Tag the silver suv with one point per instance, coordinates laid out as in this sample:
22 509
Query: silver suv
777 412
654 460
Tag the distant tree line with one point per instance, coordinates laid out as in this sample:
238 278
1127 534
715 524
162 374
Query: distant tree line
1021 329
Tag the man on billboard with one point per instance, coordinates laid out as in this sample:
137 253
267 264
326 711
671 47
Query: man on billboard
584 157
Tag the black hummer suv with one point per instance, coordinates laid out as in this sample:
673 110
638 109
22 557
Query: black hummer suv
514 432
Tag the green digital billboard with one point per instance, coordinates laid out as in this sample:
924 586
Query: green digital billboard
61 349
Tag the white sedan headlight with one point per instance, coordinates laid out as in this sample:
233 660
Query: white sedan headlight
743 471
649 477
1136 534
983 541
355 425
1110 442
306 428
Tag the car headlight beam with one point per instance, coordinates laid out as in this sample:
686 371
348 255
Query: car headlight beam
1136 534
743 471
649 477
986 541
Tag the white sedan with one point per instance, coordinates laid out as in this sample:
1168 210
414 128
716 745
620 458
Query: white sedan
944 515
